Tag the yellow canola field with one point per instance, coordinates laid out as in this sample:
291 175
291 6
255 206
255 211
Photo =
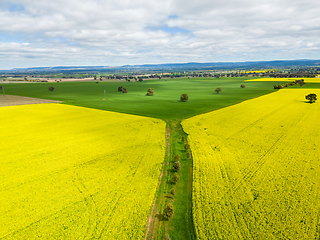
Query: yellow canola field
257 168
76 173
307 80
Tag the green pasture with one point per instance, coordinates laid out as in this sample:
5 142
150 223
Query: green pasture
165 104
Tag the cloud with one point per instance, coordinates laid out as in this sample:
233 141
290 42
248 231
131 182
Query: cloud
107 32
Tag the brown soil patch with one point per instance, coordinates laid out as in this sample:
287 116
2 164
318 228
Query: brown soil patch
11 100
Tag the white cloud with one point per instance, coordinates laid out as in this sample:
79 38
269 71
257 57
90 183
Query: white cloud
107 32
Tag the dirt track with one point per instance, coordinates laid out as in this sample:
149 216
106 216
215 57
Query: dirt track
11 100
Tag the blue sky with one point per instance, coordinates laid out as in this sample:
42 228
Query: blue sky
113 33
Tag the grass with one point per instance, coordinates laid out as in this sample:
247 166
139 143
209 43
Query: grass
165 104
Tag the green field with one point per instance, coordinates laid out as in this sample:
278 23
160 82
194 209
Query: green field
165 104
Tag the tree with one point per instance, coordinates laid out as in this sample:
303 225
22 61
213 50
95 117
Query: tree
218 90
51 88
175 177
242 86
124 90
177 166
312 97
300 82
120 89
184 97
168 211
150 92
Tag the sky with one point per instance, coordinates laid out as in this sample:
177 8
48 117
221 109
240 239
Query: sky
47 33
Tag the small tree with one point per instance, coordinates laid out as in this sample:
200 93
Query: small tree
173 192
51 88
177 158
184 97
150 92
177 166
218 90
120 89
124 90
300 82
175 177
168 211
242 86
312 97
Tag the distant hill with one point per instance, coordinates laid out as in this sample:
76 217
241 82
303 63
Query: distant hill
177 66
227 65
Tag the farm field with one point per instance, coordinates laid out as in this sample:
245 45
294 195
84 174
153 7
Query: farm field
256 168
70 172
307 80
165 104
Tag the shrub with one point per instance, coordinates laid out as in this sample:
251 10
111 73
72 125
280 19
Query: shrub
177 166
166 236
218 90
186 146
173 192
177 158
124 90
0 87
150 92
277 86
242 86
175 178
51 88
168 211
184 97
183 138
120 89
188 155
